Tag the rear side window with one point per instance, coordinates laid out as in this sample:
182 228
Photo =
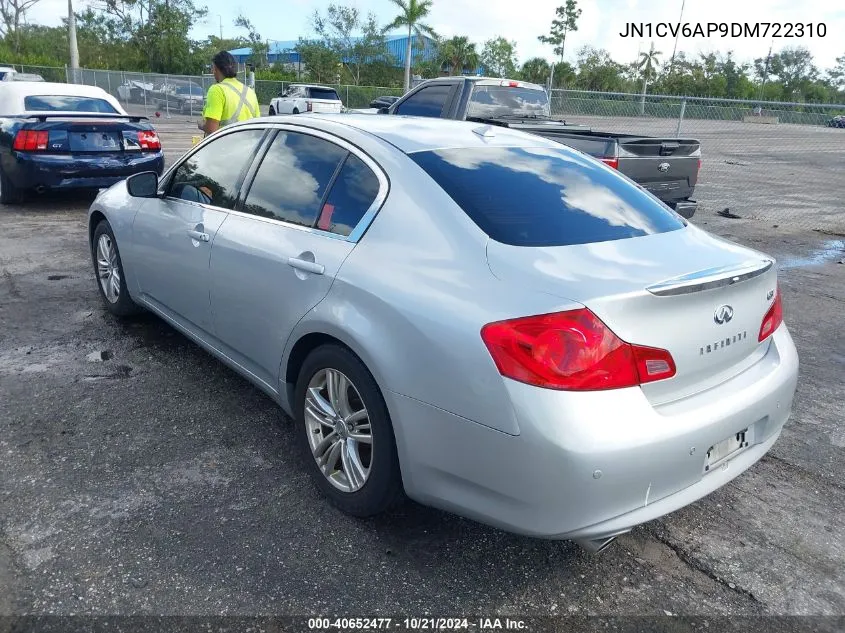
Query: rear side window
322 93
545 196
293 178
61 103
429 102
351 196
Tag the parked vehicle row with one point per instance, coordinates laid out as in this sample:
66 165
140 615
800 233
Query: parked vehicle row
470 315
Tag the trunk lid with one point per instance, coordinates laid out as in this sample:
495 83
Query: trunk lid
324 106
87 134
663 290
668 168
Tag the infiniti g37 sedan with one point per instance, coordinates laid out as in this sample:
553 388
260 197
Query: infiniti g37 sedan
476 318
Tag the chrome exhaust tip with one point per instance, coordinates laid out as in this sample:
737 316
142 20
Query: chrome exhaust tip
596 546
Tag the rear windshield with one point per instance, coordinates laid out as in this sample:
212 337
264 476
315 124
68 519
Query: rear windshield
501 101
545 196
60 103
322 93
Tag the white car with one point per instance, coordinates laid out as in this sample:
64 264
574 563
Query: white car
300 98
6 73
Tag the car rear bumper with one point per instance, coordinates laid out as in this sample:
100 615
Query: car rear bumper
76 171
589 466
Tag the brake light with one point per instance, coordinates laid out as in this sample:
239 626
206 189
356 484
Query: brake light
572 351
308 106
31 140
613 162
773 318
148 139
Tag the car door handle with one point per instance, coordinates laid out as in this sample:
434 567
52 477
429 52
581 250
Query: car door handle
311 267
198 235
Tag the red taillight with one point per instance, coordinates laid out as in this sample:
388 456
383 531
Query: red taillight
148 139
514 84
572 351
773 318
309 106
31 140
613 162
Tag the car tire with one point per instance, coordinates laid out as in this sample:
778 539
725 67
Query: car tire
296 111
272 111
375 485
9 194
108 267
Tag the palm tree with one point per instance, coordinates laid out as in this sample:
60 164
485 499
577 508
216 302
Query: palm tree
647 65
460 53
411 12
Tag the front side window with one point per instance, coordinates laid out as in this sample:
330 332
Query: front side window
429 101
210 175
540 196
293 178
61 103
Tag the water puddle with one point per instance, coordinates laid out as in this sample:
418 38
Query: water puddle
830 251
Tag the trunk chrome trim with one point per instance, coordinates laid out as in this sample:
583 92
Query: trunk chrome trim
710 278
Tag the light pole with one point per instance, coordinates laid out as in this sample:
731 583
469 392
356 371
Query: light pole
680 19
74 49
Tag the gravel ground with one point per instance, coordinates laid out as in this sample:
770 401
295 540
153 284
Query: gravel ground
138 475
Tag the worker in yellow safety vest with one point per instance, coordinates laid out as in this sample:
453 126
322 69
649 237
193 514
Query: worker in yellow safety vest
228 100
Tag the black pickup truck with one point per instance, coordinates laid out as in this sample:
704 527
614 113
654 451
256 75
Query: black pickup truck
667 167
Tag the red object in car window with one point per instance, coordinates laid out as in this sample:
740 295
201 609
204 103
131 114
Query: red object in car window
325 221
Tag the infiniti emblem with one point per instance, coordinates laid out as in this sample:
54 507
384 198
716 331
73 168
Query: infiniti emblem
723 314
663 167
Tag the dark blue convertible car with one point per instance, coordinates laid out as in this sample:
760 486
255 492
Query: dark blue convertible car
57 136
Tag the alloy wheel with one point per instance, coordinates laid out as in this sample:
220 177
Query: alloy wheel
339 431
108 271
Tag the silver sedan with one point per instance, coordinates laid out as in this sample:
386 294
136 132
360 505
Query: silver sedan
479 319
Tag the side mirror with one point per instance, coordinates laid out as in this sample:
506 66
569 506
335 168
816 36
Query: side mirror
143 185
384 110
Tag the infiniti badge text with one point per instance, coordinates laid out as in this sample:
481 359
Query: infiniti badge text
725 342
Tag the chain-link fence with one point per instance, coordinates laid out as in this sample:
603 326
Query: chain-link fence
183 95
778 163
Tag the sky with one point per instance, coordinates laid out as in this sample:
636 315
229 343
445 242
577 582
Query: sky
600 24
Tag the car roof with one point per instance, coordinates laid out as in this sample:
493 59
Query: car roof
418 134
12 94
312 86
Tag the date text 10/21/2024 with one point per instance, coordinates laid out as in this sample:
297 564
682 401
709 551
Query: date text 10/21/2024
416 624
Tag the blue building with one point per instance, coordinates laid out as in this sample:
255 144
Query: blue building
285 52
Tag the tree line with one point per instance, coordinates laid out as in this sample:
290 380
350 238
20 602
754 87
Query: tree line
347 46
